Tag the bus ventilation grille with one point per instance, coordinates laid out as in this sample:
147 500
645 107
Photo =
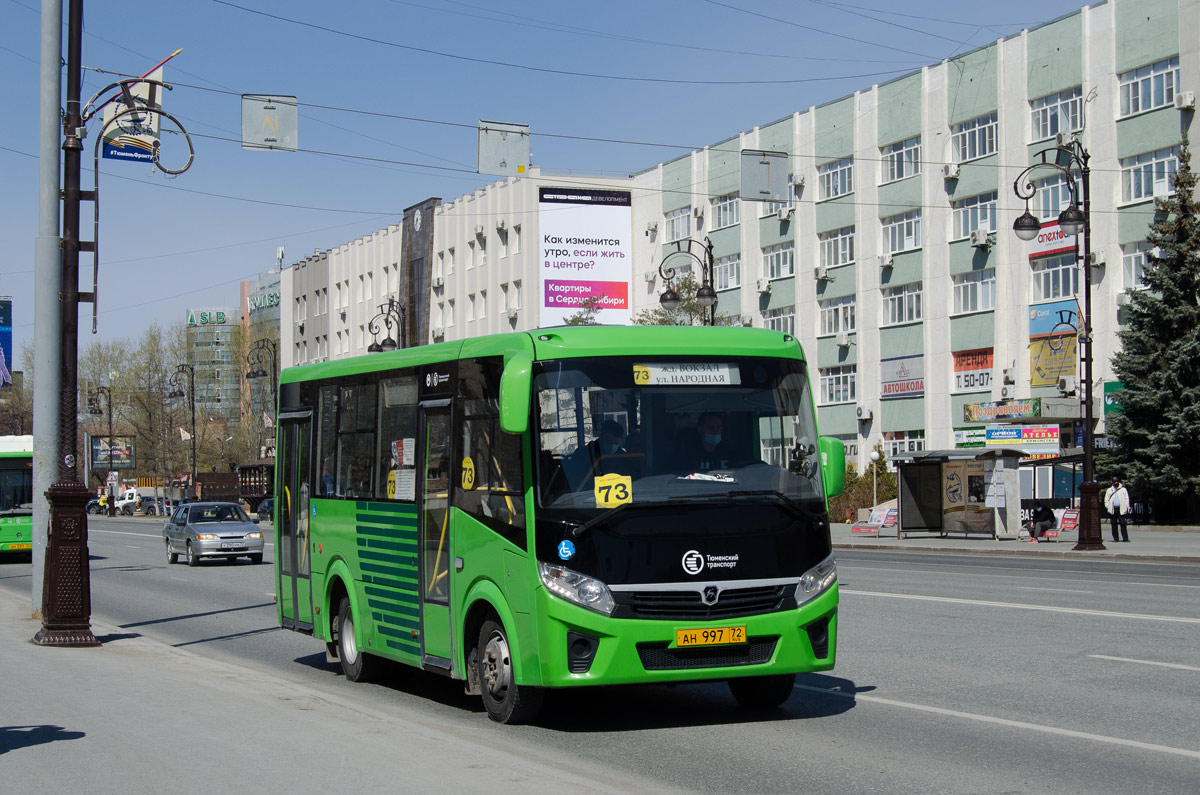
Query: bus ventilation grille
686 605
657 657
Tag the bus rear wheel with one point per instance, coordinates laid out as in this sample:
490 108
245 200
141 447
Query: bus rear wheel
762 692
504 700
357 665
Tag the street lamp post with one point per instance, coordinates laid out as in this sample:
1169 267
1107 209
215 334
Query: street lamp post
874 490
390 314
191 396
94 408
1067 157
706 296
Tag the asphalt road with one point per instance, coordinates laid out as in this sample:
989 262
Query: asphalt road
955 674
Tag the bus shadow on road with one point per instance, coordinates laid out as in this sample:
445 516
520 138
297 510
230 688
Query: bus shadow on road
14 737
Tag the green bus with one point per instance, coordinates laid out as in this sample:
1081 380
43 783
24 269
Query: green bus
576 506
16 494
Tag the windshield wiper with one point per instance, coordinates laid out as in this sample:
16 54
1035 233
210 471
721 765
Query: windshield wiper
787 502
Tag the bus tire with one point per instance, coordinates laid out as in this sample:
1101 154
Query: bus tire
357 665
762 692
504 700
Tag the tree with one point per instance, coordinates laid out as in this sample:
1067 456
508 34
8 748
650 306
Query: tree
689 312
863 491
1157 433
586 316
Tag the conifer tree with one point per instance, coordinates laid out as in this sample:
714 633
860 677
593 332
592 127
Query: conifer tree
1157 433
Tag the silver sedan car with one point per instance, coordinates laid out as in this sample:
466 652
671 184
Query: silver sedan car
212 530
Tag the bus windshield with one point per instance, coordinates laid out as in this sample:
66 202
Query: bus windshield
626 430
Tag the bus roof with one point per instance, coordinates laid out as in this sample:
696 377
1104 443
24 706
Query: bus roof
568 342
16 445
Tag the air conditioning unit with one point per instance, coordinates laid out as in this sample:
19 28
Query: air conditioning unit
950 171
437 332
888 261
651 228
798 180
1185 100
863 413
981 238
763 285
501 226
1066 384
821 272
698 211
1010 375
1098 260
843 339
438 281
784 213
747 321
512 313
1124 299
650 276
478 230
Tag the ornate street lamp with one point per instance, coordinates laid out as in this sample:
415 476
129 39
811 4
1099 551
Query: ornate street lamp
1074 220
706 296
390 314
94 408
175 381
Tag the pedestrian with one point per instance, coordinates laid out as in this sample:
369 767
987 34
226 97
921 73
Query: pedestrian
1116 502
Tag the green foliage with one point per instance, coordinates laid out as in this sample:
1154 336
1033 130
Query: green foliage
1157 437
688 313
862 491
586 316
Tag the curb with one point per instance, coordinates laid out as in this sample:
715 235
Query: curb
1064 553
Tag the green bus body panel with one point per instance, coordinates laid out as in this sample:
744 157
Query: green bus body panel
16 530
371 548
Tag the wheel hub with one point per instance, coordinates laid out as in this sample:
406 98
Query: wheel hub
497 665
349 649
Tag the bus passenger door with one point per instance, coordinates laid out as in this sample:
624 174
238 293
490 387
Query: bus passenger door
294 585
435 466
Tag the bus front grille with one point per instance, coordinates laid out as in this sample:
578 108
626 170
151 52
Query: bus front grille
688 606
657 657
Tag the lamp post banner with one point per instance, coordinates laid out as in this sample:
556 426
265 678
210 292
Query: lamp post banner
135 135
585 240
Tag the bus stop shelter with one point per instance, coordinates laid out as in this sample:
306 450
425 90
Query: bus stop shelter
967 490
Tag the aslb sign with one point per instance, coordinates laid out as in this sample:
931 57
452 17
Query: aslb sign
207 317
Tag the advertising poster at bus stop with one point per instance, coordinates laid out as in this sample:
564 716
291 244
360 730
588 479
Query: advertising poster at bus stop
585 253
6 360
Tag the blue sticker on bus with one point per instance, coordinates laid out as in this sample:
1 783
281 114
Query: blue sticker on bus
314 510
566 550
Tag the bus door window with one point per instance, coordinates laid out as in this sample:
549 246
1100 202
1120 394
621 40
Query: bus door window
435 513
356 441
397 438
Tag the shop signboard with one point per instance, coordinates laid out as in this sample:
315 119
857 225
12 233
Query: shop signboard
972 370
1002 410
902 376
1033 440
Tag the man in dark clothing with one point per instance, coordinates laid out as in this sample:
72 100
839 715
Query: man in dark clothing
587 461
1041 520
706 450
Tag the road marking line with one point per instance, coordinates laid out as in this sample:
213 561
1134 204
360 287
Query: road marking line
1146 662
1018 606
848 565
1016 724
1055 590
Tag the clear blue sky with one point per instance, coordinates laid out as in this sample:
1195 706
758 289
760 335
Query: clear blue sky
169 244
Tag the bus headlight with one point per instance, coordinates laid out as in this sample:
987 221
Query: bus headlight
816 581
578 588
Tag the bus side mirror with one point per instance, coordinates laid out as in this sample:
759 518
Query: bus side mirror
515 384
833 465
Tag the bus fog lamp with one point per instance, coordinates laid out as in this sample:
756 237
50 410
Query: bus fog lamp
816 580
578 588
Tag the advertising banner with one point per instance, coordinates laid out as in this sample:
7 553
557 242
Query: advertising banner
1050 241
586 253
1030 439
972 370
120 451
133 136
996 410
1112 390
1053 342
6 353
902 376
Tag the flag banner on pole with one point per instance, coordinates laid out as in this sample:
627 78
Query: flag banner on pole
184 435
267 422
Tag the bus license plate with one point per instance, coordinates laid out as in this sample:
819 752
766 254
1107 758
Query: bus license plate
711 636
15 547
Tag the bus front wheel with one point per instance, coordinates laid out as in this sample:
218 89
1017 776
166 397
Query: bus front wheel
762 692
357 665
504 700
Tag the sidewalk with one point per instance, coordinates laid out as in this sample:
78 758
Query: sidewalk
1174 544
135 715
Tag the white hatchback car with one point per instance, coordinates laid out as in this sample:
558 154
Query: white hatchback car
212 530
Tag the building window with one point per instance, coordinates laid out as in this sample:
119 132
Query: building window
1149 175
975 291
482 304
837 384
901 304
1053 195
779 261
837 314
902 232
481 249
450 312
770 208
901 159
837 247
502 236
727 211
679 224
504 304
835 179
727 272
898 442
472 255
470 307
1133 260
976 212
450 261
1057 113
516 239
1054 278
781 319
974 138
516 304
1149 87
